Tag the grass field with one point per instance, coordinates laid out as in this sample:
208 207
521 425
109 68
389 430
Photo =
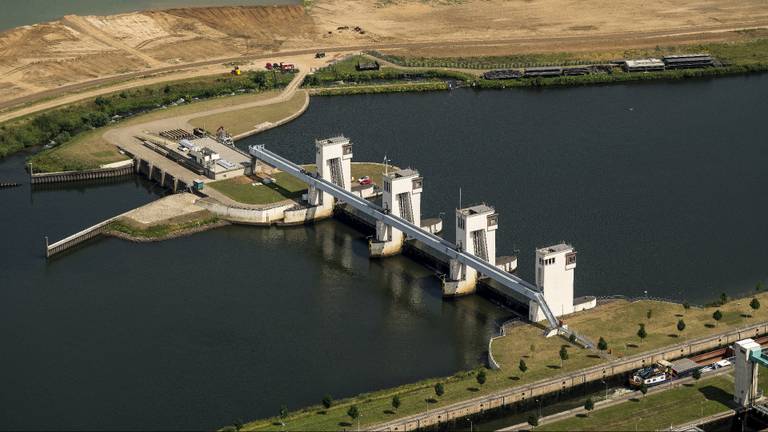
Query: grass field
661 327
242 189
89 150
240 121
248 191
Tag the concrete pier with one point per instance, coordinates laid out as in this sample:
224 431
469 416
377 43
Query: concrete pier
72 176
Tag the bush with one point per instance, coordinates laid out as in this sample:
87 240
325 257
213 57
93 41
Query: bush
602 345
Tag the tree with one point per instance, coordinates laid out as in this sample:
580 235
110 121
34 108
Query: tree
686 305
533 420
755 304
439 389
723 298
602 345
572 338
481 377
696 374
589 405
353 412
533 350
644 389
759 286
717 316
680 325
649 314
563 355
395 402
327 401
641 333
523 367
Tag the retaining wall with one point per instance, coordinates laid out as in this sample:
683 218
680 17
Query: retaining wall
262 216
70 176
526 392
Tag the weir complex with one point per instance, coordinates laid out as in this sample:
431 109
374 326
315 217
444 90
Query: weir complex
398 218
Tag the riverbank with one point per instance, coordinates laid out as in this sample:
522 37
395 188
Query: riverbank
402 73
541 357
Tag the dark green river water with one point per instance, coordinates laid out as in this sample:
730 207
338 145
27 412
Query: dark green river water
661 187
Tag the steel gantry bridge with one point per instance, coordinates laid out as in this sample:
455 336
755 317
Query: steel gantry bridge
506 280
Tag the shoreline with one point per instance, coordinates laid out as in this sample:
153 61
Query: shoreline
174 234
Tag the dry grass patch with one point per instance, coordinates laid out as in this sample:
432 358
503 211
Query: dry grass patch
244 120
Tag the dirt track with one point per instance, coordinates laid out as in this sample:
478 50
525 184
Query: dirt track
77 53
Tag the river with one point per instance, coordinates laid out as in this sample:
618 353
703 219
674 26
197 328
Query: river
660 186
37 11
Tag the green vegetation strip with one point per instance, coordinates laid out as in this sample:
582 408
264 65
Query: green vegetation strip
160 231
61 125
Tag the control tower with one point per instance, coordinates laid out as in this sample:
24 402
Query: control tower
333 157
475 234
402 198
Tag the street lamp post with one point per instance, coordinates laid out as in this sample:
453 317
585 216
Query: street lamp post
606 389
470 424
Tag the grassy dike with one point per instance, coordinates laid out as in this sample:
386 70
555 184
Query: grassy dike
541 355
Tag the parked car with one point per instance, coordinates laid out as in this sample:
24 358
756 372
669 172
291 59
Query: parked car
365 180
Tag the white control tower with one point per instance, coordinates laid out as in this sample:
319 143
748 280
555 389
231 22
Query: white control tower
402 198
475 234
333 158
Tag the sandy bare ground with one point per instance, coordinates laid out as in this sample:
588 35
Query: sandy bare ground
75 53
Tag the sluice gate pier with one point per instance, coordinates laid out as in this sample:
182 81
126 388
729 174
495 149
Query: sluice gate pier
384 216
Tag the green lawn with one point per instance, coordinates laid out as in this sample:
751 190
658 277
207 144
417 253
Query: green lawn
248 191
661 328
241 189
656 411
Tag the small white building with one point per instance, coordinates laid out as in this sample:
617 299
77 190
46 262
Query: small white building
644 65
402 198
333 157
555 267
475 234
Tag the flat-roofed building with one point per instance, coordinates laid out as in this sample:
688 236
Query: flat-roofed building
643 65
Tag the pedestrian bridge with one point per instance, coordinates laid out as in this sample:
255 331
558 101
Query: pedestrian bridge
506 280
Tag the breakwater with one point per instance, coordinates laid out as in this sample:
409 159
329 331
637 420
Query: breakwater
73 176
